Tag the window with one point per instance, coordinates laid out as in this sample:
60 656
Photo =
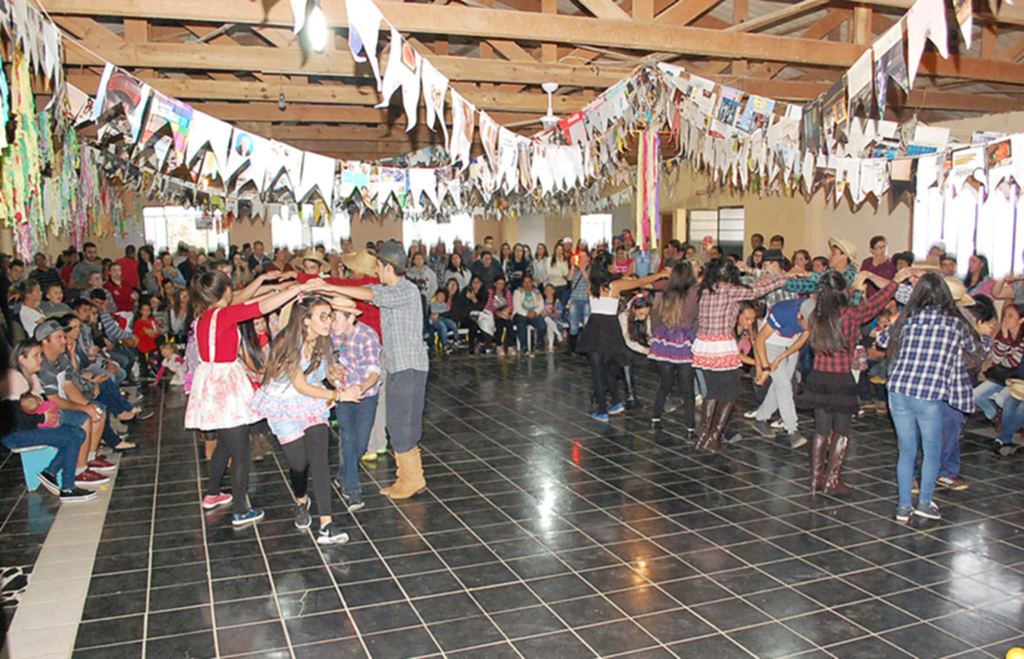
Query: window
166 226
596 229
968 223
725 225
429 232
294 227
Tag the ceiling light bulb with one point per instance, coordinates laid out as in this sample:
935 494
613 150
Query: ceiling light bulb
316 29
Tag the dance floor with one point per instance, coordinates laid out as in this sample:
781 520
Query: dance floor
543 534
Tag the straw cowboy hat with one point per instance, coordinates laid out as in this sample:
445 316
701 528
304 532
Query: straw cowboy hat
345 305
315 258
362 262
843 246
1016 388
959 293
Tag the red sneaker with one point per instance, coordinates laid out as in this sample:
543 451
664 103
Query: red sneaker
89 478
101 466
210 502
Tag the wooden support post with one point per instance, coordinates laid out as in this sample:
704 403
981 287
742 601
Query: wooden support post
549 51
862 25
988 40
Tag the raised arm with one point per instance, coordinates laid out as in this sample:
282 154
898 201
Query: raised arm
622 285
249 292
363 293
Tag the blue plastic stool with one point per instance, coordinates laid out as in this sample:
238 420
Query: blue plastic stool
34 460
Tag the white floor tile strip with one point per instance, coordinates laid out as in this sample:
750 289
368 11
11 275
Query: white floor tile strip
46 621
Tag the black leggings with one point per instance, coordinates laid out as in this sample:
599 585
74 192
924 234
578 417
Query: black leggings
681 373
604 373
231 443
309 453
504 332
825 423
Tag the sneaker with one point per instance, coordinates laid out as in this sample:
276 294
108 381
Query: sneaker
655 424
750 414
211 502
369 457
734 438
952 482
903 513
143 415
355 502
698 400
253 515
671 408
382 451
76 495
49 481
329 536
882 407
927 510
1006 450
89 478
618 408
101 466
603 418
762 428
303 520
778 425
796 440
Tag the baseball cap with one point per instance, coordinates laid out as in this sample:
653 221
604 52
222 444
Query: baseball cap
392 253
939 245
46 328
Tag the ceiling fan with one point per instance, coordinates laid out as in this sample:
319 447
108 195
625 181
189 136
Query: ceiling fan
549 120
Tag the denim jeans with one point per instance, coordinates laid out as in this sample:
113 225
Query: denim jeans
522 323
579 312
355 420
952 424
407 392
442 326
988 395
1013 420
114 403
66 439
913 418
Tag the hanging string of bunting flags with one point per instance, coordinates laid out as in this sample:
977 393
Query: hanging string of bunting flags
152 146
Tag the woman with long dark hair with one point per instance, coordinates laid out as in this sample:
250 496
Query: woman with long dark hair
558 270
220 390
635 320
977 280
519 266
675 328
297 406
929 345
602 339
715 351
1004 361
831 390
458 271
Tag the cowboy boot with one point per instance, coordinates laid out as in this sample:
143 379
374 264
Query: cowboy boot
629 377
410 480
707 412
718 425
819 452
837 455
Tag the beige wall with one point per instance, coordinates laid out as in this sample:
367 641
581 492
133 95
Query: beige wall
365 229
244 231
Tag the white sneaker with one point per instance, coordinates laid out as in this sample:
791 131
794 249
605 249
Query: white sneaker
778 425
750 414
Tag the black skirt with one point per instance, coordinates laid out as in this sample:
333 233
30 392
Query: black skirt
834 393
603 335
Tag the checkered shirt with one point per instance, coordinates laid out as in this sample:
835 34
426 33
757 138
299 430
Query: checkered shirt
717 311
401 324
776 296
853 318
930 365
359 353
808 285
580 286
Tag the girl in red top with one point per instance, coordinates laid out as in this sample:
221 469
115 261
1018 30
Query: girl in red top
146 330
123 294
221 392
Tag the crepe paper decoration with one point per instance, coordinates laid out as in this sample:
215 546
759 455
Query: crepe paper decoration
435 86
168 115
926 20
364 19
647 224
317 175
489 138
208 132
403 72
965 18
462 130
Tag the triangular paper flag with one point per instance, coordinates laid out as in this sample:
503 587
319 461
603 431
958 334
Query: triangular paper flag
926 20
317 174
462 130
403 72
965 18
206 130
489 138
889 63
364 19
435 86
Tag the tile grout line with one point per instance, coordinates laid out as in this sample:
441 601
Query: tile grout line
203 530
152 525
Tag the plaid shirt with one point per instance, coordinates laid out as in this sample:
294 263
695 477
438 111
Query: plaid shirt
852 318
580 286
776 296
359 353
808 285
717 311
401 324
930 365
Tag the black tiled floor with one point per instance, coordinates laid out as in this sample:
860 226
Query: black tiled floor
546 534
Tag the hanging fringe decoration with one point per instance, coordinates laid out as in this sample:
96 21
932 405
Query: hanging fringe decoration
648 212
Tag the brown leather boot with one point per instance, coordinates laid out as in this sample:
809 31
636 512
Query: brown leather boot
410 476
819 453
836 457
713 440
706 415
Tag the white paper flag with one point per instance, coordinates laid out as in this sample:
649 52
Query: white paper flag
206 130
435 86
462 130
403 72
926 20
489 138
364 19
317 174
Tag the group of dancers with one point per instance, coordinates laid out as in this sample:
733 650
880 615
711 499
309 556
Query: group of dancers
322 358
